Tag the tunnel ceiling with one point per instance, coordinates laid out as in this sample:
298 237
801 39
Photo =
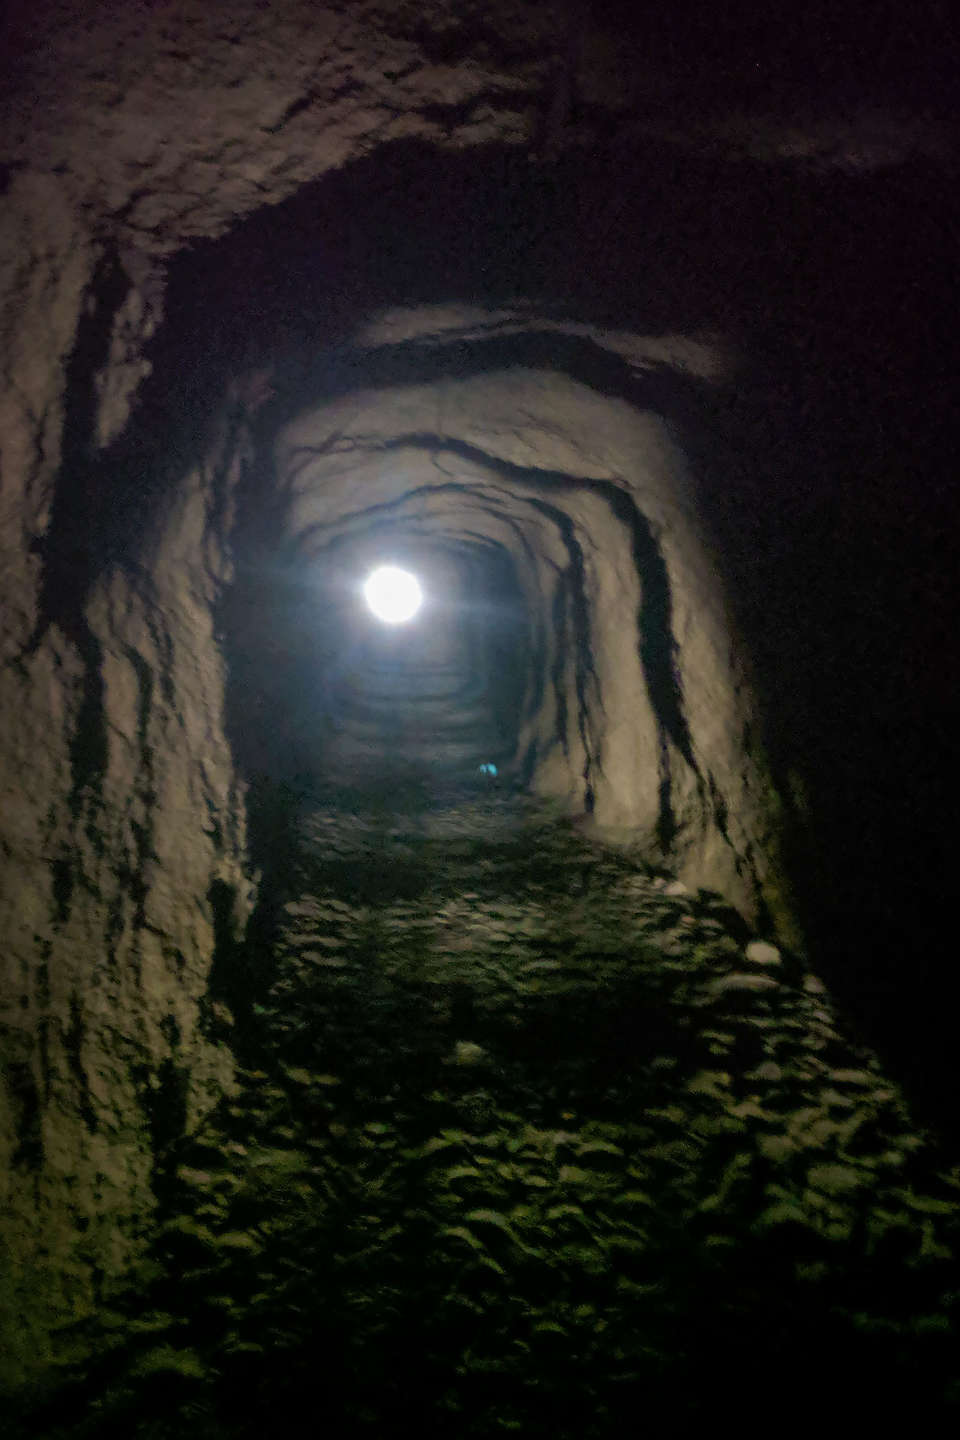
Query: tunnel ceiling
588 323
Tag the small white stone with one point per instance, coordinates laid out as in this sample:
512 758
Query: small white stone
676 887
761 952
466 1052
738 981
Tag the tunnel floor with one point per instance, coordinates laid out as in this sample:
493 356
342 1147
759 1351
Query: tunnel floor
527 1144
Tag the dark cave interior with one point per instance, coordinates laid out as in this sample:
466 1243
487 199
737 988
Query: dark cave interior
830 502
537 1007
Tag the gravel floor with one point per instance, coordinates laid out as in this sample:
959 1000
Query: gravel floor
530 1140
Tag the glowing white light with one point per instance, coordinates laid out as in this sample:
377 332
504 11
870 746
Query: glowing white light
393 595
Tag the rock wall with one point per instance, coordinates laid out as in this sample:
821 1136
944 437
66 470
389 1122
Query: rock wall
123 859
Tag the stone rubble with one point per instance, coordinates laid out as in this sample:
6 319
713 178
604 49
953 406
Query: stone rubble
501 1162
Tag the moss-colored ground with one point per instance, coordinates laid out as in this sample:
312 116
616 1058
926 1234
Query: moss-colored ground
526 1145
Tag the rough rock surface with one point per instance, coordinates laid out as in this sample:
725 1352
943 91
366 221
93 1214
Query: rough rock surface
116 856
527 1140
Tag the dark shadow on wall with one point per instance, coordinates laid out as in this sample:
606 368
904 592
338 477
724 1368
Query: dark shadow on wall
79 542
832 494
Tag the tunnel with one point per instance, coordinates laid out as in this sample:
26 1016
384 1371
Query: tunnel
476 505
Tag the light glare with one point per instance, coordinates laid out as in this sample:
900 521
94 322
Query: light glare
393 595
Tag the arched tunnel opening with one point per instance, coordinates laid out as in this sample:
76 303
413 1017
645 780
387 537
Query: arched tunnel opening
467 1017
322 505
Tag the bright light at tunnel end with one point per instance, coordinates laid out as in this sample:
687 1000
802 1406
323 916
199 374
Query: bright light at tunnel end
394 595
